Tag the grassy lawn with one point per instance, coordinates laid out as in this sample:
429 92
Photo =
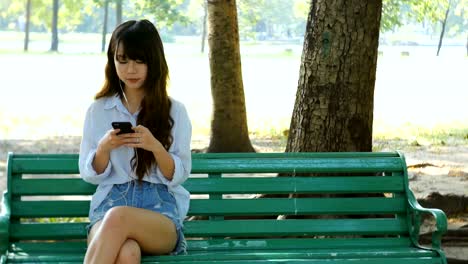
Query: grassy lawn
420 99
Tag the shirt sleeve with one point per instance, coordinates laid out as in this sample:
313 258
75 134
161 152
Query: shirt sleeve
88 151
180 149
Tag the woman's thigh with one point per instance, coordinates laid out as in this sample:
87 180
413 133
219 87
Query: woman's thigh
154 232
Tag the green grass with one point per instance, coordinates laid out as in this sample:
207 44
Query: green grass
414 137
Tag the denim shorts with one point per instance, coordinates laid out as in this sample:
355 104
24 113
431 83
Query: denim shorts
145 195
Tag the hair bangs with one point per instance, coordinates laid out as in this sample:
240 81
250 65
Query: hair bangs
135 45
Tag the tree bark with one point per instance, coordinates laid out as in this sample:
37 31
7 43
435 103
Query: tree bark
55 40
444 25
335 96
104 26
229 131
28 22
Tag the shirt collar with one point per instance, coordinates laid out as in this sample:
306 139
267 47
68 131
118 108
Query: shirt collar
115 101
112 102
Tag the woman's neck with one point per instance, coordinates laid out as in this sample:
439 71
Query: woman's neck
134 98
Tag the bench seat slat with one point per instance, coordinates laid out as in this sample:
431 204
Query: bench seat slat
265 255
240 244
289 261
232 207
241 228
231 185
416 260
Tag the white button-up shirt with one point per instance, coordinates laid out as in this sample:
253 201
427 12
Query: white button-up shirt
99 117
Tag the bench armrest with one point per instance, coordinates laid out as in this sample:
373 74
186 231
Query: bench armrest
4 224
439 215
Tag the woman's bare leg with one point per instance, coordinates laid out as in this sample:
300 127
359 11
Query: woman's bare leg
130 253
153 232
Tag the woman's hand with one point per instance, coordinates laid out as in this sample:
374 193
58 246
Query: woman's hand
142 138
108 142
111 141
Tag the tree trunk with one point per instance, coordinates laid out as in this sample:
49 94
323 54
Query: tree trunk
444 24
55 40
205 16
229 131
335 96
104 26
28 22
118 12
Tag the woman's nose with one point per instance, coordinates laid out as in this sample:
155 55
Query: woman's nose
131 66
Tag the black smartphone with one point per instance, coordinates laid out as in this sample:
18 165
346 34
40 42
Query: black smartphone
125 127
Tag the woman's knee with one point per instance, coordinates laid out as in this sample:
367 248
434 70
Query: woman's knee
115 218
130 252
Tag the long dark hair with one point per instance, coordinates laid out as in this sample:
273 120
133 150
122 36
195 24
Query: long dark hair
141 41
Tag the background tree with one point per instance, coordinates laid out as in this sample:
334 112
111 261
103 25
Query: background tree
204 22
55 41
434 11
104 25
392 14
118 12
165 12
27 24
229 131
270 19
334 102
197 13
69 13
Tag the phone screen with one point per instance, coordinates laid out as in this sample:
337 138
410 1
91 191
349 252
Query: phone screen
125 127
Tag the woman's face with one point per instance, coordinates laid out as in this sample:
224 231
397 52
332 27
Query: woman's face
132 72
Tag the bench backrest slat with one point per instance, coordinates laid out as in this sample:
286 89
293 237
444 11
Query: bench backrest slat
51 187
67 164
237 228
232 207
303 185
269 185
297 165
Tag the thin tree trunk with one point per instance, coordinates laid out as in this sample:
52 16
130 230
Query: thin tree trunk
28 22
55 40
229 131
205 18
335 96
104 27
118 12
444 24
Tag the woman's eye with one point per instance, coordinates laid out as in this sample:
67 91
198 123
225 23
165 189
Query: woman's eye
140 62
121 59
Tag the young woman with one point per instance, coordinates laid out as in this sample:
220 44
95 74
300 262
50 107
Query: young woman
139 204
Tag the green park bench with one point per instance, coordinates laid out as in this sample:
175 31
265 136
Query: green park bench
353 208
